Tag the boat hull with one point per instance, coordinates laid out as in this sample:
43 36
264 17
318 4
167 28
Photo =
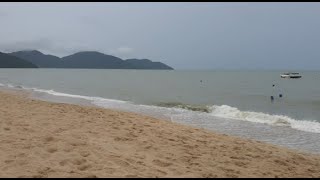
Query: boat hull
295 77
290 77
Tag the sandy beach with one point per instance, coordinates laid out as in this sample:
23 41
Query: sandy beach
44 139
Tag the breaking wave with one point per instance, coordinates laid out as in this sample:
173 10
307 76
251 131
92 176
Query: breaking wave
223 111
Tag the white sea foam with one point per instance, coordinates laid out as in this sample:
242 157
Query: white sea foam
259 117
10 86
90 98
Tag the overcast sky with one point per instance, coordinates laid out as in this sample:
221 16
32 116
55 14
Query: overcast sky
182 35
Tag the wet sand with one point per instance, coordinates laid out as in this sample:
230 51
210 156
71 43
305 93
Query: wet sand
45 139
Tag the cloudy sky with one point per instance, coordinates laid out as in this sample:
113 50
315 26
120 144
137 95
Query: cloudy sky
182 35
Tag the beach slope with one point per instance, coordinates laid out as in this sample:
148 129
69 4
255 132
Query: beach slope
44 139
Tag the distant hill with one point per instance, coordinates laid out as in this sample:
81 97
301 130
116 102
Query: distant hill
93 60
146 64
87 60
7 61
38 58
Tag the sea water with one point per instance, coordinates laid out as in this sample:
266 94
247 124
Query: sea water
233 102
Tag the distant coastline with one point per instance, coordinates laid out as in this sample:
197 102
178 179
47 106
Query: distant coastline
80 60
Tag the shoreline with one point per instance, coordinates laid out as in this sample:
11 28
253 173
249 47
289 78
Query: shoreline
46 139
216 126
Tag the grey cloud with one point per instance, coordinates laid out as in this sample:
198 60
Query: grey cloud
44 45
184 35
26 45
60 48
2 14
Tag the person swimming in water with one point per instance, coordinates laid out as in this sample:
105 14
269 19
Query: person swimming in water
278 92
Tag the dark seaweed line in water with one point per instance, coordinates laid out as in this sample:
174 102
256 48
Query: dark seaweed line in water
191 107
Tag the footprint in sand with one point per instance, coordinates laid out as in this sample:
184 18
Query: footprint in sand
122 139
161 163
6 128
81 163
122 163
64 162
48 139
109 170
8 161
84 153
160 173
84 167
78 161
78 142
52 149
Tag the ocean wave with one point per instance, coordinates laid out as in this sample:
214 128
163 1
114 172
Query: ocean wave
174 108
191 107
226 111
90 98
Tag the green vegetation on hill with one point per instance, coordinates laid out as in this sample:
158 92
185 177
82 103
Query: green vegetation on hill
87 60
7 61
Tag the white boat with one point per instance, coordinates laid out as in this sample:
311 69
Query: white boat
291 75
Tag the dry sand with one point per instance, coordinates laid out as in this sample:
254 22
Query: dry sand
43 139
